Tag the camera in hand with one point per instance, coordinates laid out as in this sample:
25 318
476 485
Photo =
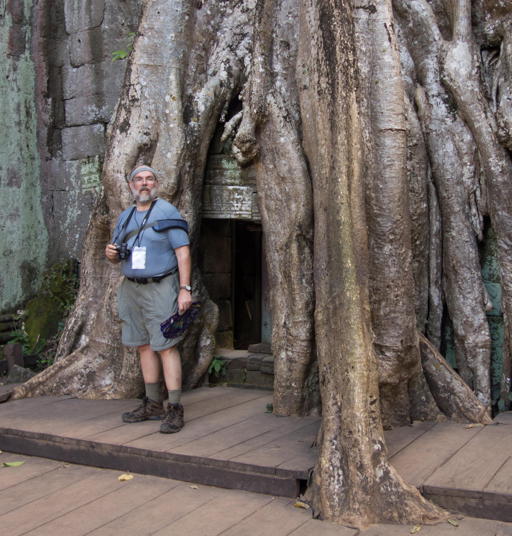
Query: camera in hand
123 251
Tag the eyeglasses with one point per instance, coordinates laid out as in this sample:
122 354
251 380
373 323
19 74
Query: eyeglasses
138 180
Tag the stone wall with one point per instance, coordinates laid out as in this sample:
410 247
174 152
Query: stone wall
23 234
83 85
58 89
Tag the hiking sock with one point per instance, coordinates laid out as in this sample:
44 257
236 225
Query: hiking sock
154 391
174 396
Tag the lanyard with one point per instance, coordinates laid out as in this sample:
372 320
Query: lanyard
125 225
139 235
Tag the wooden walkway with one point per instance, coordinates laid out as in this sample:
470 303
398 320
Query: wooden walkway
231 441
50 498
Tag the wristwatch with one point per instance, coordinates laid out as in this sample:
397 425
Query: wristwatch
186 287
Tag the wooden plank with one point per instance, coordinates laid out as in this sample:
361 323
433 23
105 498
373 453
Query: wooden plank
466 527
112 418
420 458
61 414
130 433
504 418
220 439
501 482
26 405
217 515
324 528
201 426
278 451
32 467
176 466
471 503
398 438
289 426
78 417
473 466
100 511
34 489
60 502
301 464
277 518
158 513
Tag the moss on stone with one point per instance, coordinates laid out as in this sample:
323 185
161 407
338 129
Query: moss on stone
45 313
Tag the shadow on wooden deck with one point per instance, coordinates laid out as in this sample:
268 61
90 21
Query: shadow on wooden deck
231 441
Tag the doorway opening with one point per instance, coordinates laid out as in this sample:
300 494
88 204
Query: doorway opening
233 266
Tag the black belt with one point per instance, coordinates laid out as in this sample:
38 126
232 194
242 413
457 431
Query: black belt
156 279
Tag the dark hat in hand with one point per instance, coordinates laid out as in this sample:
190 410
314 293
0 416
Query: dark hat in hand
176 325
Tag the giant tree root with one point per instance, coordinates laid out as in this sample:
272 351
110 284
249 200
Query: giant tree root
453 396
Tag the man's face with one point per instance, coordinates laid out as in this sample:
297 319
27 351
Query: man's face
144 187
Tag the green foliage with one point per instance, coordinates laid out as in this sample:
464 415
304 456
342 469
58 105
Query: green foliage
61 283
42 320
122 54
217 367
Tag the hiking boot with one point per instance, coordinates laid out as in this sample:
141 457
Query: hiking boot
173 421
149 410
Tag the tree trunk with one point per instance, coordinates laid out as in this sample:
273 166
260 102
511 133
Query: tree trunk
378 152
352 483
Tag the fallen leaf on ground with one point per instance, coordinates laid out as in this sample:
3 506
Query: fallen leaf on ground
453 523
193 486
124 477
12 464
415 529
300 504
473 425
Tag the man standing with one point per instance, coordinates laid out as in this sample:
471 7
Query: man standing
157 269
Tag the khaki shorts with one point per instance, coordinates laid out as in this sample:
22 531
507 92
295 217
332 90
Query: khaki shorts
142 308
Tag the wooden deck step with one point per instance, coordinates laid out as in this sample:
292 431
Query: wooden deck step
229 439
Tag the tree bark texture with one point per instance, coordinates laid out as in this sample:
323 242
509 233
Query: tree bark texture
381 135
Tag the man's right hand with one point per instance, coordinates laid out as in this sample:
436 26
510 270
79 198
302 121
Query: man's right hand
111 253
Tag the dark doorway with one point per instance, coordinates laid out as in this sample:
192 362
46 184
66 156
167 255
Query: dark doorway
246 280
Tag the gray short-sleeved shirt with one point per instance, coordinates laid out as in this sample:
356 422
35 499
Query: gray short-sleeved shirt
160 256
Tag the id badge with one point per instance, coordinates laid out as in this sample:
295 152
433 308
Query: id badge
138 258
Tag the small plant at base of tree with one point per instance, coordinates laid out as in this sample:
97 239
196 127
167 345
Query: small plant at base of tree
217 367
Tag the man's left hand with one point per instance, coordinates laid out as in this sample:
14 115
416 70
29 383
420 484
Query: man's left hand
184 301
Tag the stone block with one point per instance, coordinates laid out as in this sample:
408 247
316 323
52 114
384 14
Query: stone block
19 374
260 348
87 47
236 376
254 361
234 363
122 17
218 285
13 354
83 14
256 379
267 365
58 51
70 215
89 110
56 173
93 79
81 142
